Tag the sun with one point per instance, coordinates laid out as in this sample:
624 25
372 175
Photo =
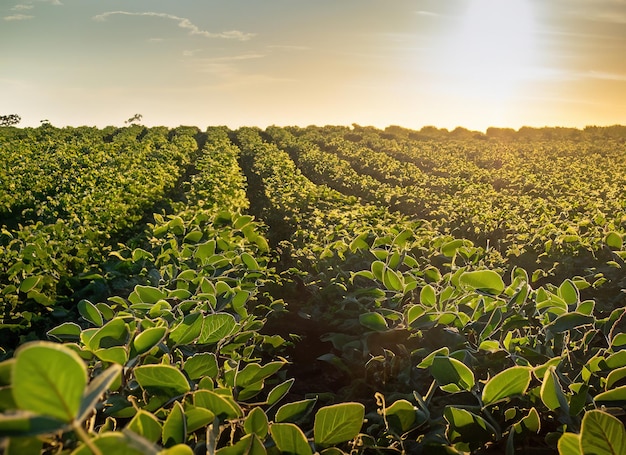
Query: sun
489 51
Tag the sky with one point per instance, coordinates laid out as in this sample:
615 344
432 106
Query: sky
413 63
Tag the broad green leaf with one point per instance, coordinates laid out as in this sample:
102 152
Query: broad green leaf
338 423
219 405
197 418
256 423
146 294
402 416
96 388
29 284
290 439
178 449
615 376
507 383
450 371
90 312
551 392
188 330
617 394
278 392
200 365
27 445
175 426
449 249
26 423
294 411
115 354
113 333
428 296
68 331
148 339
253 373
147 425
373 321
378 269
162 378
569 292
466 430
570 321
392 280
614 241
216 327
49 379
602 434
569 444
483 280
248 445
118 443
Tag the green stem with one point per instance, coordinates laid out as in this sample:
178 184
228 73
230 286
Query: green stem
83 436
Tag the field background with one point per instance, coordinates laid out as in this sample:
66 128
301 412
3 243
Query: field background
332 289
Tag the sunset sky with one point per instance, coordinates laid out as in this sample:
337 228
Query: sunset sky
469 63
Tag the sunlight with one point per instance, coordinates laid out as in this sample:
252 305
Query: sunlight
489 53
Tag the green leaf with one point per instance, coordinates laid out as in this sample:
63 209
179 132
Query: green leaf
290 439
428 296
450 371
29 284
216 327
188 330
402 416
219 405
254 373
466 430
295 411
551 392
278 392
570 321
373 321
483 280
338 423
28 445
569 444
614 241
148 339
119 444
175 426
113 333
569 292
96 388
449 249
197 418
162 378
248 445
146 294
200 365
49 379
615 376
256 423
507 383
147 425
90 312
68 331
26 423
610 397
602 434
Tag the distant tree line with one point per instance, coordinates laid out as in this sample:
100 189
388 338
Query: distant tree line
524 133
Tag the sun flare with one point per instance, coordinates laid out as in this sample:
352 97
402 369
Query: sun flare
489 52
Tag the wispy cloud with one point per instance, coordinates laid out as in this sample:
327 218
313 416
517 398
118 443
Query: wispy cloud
52 2
289 47
22 7
17 17
426 13
182 22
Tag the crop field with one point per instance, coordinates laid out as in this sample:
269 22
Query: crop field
332 290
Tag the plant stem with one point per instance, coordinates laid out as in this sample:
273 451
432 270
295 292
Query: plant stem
83 436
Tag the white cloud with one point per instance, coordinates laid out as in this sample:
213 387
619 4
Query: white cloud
17 17
22 7
182 23
52 2
426 13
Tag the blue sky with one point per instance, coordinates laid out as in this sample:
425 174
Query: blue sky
470 63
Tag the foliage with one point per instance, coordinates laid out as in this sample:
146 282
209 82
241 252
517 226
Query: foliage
311 290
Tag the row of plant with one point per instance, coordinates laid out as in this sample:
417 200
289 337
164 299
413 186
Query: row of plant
421 342
69 196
